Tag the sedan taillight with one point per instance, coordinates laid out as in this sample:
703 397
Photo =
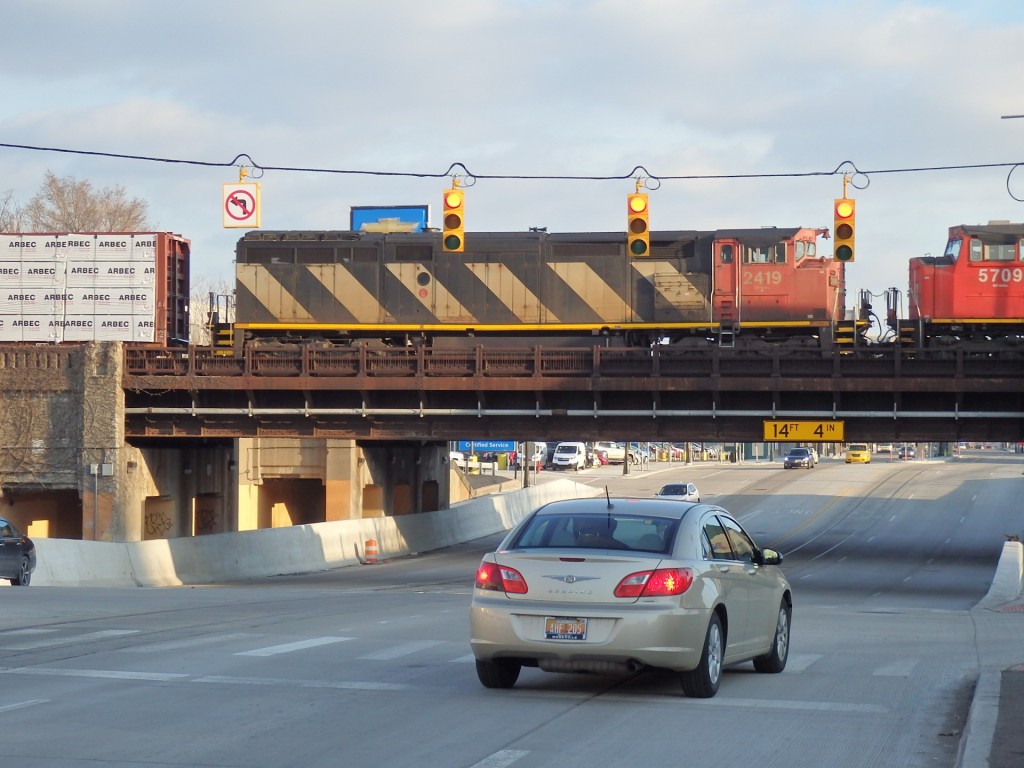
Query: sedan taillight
500 578
659 583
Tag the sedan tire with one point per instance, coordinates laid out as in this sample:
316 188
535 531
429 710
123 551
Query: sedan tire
703 682
24 574
500 673
775 660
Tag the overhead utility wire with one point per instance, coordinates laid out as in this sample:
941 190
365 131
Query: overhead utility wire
239 160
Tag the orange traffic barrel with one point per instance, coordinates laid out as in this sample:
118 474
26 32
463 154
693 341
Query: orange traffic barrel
370 551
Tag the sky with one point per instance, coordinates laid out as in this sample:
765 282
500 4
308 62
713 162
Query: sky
755 108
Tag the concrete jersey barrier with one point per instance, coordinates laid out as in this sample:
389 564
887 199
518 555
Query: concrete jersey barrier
279 551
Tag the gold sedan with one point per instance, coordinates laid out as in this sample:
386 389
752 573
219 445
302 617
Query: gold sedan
615 585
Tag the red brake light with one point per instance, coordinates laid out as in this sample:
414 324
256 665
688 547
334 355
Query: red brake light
659 583
500 578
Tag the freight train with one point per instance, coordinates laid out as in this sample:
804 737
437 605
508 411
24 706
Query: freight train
742 288
736 287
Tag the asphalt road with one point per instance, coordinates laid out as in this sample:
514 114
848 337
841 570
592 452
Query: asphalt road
370 665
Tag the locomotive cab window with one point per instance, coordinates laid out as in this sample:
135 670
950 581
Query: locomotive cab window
953 249
804 248
995 252
759 254
727 254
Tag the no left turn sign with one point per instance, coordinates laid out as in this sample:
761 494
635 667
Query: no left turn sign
241 206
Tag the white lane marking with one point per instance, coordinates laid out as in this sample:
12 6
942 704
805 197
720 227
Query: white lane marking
469 658
896 669
401 650
173 645
23 704
110 674
68 639
501 759
337 684
799 662
297 646
27 631
718 701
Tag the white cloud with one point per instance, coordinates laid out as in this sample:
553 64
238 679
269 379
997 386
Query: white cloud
560 87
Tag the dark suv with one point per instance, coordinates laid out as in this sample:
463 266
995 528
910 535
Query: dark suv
799 457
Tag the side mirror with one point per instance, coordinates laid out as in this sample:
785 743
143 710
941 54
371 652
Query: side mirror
770 557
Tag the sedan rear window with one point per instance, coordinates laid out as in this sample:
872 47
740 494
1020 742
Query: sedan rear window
673 490
607 531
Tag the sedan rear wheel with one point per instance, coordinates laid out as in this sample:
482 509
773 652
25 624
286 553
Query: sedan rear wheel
775 659
703 682
500 673
24 574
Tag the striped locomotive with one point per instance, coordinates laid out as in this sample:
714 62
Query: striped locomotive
728 287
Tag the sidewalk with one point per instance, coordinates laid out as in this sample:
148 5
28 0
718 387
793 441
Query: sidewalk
994 734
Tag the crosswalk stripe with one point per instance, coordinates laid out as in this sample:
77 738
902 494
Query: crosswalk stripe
901 668
67 639
301 645
174 645
401 650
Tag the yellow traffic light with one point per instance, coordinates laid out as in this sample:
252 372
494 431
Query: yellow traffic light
845 228
638 234
453 238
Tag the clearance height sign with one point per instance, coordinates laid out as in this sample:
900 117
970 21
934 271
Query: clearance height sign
804 431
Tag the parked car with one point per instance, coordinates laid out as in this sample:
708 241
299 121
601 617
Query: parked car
883 448
569 456
798 457
638 454
679 492
615 453
615 585
17 555
858 453
907 452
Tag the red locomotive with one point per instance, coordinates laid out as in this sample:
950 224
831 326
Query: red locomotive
971 296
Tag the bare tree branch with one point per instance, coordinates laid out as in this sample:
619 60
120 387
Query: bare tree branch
72 205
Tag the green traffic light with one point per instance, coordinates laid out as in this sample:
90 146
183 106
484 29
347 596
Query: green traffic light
844 253
452 242
638 247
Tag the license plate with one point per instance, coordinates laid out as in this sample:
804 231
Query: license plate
564 628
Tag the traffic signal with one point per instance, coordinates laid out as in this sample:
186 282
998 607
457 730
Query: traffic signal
845 226
453 239
638 234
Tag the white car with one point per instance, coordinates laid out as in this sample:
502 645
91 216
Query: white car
679 492
569 456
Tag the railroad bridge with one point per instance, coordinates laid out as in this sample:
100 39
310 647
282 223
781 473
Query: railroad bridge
108 442
659 393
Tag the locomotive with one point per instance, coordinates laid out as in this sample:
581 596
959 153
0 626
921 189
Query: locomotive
971 297
728 287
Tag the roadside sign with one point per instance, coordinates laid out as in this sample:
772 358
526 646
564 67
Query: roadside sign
241 207
487 446
804 431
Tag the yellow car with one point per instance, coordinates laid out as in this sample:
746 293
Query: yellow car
858 453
